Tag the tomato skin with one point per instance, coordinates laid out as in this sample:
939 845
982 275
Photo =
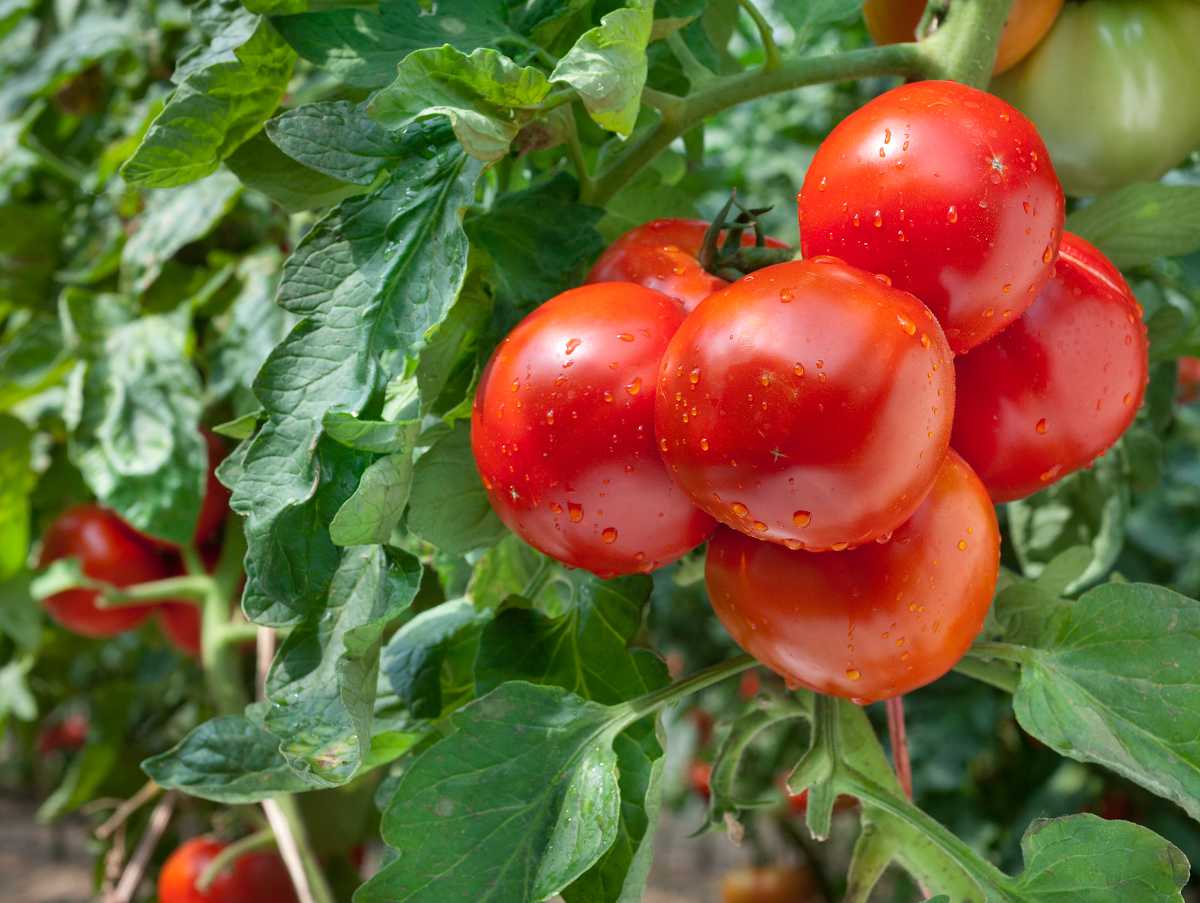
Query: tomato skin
563 432
108 550
1053 391
253 878
767 884
874 622
894 21
69 734
947 190
180 623
663 255
808 403
1188 380
1115 91
700 778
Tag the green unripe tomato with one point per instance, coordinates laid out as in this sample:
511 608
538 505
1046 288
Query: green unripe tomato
1114 89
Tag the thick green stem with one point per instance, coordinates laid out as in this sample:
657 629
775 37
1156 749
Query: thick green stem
190 588
771 56
652 702
259 840
997 674
727 91
964 46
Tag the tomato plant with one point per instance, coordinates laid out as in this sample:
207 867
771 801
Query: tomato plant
823 429
963 211
1114 91
1058 387
438 353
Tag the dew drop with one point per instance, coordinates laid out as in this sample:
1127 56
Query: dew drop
962 545
556 508
821 184
1041 425
739 509
887 136
760 526
608 396
878 221
634 387
989 312
853 674
572 344
662 443
802 518
575 512
550 418
609 535
1051 473
856 220
704 444
678 269
840 546
952 214
798 369
925 340
624 336
884 278
909 327
1126 399
785 295
765 379
1047 254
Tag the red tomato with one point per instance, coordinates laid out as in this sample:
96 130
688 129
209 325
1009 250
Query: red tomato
798 802
950 192
662 255
215 507
874 622
69 734
768 884
749 685
1188 379
108 549
893 21
253 878
1058 387
563 432
703 722
700 779
808 403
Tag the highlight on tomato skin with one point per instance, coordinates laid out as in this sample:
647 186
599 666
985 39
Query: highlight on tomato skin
663 255
949 191
808 403
563 432
874 622
1056 389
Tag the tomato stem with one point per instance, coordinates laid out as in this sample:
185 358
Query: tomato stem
899 741
652 702
964 46
770 48
191 588
1000 675
259 840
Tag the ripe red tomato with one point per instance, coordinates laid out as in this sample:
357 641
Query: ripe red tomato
700 779
108 550
874 622
69 734
662 255
1058 387
1188 379
893 21
563 432
798 802
808 403
950 192
215 507
180 623
768 884
253 878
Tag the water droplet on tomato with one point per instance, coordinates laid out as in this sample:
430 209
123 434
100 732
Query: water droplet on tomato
609 535
853 674
1041 425
574 512
952 214
906 324
840 546
802 518
572 344
798 369
786 295
624 336
634 387
760 526
739 509
878 221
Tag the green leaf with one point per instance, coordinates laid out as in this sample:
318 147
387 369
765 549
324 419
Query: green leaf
451 357
261 165
412 660
369 281
1112 679
87 771
16 699
171 220
448 505
230 760
29 252
383 437
807 17
540 241
134 411
20 613
363 47
1022 607
607 66
322 683
338 139
377 505
12 12
1085 857
32 358
513 806
482 95
16 482
1088 507
1139 223
227 94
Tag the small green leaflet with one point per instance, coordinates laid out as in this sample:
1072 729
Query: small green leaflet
29 251
133 409
262 166
607 66
482 95
226 96
1140 223
171 220
322 683
514 805
16 481
337 139
369 281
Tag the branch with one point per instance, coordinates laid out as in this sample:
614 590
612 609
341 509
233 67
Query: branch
770 48
148 791
285 821
132 877
259 840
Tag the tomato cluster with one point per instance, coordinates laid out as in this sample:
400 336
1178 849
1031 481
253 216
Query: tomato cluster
113 552
253 877
802 417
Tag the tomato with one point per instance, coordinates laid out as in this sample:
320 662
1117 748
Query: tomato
1114 89
808 403
893 21
702 721
563 432
252 878
109 550
798 802
1188 379
947 190
1053 391
874 622
663 255
700 779
215 507
69 734
768 884
749 685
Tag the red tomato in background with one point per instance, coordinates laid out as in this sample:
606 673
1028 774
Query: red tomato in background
700 779
1188 379
69 734
663 255
563 432
874 622
1058 387
808 403
215 507
894 21
181 621
108 549
253 878
798 802
768 884
950 192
